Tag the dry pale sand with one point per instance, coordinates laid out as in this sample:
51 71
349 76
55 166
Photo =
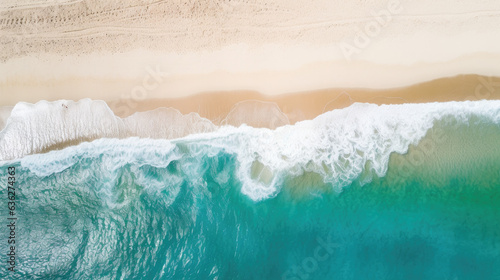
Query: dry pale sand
71 49
415 31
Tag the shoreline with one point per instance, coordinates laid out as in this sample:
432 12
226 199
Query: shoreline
259 110
42 123
251 106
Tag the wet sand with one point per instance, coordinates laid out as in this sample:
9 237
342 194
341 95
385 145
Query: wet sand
223 107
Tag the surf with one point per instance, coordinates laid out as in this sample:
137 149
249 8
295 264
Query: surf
342 146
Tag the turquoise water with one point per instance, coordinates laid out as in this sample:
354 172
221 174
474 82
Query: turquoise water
113 214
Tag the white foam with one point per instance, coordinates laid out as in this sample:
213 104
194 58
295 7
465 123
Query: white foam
116 152
167 123
32 128
35 128
339 145
4 115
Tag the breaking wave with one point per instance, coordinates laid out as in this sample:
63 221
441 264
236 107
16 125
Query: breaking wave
341 145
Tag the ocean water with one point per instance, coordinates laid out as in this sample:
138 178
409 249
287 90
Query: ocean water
367 192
